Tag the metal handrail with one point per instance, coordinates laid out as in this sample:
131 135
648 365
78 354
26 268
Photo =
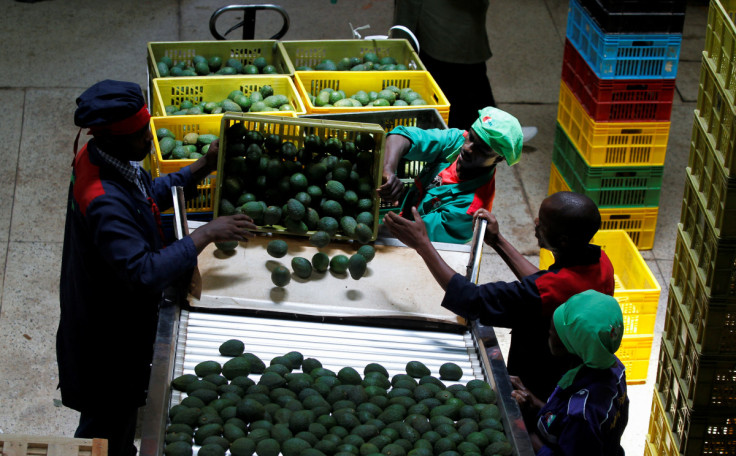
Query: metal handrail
249 20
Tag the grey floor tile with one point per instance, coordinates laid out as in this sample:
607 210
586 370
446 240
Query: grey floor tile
44 165
673 181
308 20
11 121
536 160
28 326
77 43
524 70
688 81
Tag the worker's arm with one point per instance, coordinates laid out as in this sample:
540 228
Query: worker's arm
228 228
414 144
520 266
207 164
396 147
414 235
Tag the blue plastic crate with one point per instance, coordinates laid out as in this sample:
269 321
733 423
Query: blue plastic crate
623 56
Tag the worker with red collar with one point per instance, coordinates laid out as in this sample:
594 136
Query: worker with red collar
459 174
566 223
114 265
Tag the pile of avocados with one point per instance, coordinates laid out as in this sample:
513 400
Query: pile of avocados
296 407
319 185
191 146
303 268
212 66
389 96
368 62
262 100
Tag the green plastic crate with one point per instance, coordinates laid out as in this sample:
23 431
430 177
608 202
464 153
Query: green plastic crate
607 186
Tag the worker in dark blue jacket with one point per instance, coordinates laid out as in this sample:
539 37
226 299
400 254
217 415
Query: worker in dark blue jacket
589 409
115 265
567 222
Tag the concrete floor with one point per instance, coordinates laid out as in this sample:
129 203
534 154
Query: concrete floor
53 50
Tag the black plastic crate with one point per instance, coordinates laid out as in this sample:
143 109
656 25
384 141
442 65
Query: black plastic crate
634 16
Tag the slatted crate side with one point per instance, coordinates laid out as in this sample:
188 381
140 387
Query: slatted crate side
612 100
660 437
632 17
639 223
716 273
718 114
32 445
709 325
611 143
720 43
607 186
688 379
623 56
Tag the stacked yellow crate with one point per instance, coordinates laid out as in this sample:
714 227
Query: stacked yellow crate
695 391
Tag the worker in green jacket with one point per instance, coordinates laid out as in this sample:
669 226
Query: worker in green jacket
458 176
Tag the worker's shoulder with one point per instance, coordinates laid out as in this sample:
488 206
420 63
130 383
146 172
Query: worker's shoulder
594 400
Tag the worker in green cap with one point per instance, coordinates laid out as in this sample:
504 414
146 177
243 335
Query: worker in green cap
588 410
458 176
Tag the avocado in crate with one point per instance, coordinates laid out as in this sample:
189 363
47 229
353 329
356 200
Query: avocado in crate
217 58
353 55
298 176
262 100
268 94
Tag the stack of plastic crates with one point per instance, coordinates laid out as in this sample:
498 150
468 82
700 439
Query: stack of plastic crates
695 391
613 120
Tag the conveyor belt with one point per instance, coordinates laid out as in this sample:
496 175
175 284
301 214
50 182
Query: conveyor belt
334 345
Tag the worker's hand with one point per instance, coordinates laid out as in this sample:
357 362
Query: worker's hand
411 233
526 400
227 228
491 235
391 188
211 155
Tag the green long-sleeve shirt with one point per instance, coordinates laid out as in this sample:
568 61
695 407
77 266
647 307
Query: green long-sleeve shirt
447 209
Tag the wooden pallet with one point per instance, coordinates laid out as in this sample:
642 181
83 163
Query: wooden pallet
32 445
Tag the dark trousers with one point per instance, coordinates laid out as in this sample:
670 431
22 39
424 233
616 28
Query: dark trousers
465 85
115 425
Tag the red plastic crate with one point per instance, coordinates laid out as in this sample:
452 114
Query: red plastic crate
616 100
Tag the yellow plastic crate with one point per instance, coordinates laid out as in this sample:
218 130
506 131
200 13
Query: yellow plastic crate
295 130
634 354
640 223
180 126
310 53
172 91
659 439
311 82
637 290
720 43
611 143
718 115
244 51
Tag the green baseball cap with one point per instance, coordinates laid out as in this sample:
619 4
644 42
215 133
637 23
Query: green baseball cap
501 131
